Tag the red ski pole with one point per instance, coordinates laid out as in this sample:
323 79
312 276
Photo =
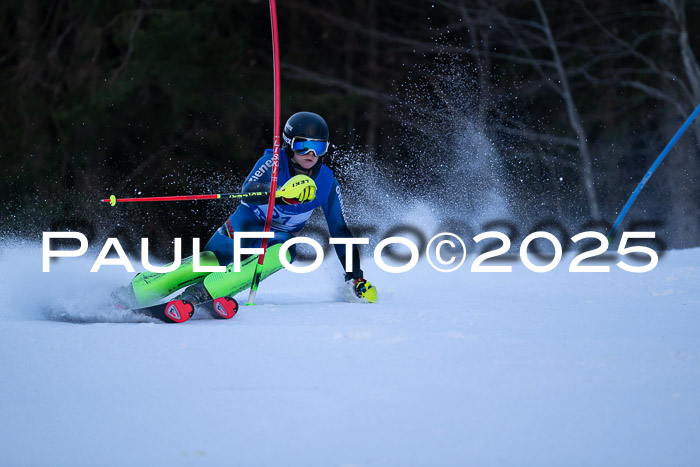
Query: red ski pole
113 200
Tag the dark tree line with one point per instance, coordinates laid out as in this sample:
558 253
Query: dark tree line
170 97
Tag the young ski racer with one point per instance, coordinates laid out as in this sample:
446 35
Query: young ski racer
306 184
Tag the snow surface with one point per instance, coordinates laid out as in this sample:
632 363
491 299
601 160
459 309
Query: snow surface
447 369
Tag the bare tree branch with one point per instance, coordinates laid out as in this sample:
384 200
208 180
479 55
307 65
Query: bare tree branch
139 17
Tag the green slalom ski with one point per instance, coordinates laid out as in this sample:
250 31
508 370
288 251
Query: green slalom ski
149 287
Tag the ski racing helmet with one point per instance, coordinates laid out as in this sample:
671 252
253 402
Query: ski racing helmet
305 132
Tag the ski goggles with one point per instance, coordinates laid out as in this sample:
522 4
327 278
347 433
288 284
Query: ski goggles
304 146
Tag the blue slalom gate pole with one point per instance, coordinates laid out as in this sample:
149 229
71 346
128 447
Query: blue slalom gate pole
651 170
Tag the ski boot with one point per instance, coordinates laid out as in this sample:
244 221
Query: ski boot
196 294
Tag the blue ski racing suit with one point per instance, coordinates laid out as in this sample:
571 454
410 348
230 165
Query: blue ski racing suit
287 219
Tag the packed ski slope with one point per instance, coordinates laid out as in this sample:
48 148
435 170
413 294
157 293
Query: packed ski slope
447 369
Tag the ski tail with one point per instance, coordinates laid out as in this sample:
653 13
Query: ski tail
174 311
179 311
220 308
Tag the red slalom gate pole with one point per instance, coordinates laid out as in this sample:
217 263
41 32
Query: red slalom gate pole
275 150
